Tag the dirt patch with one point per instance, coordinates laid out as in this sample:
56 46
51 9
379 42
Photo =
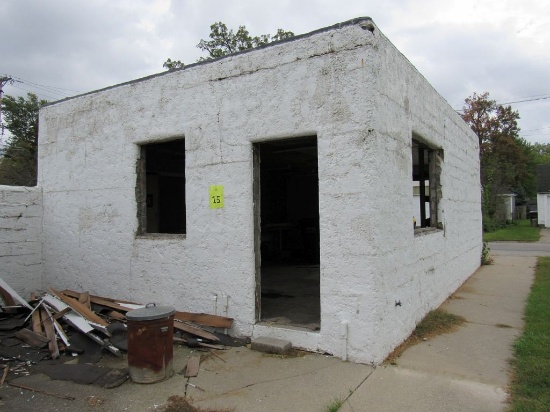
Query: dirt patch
182 404
293 353
436 322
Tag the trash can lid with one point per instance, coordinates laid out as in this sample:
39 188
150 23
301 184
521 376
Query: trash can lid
150 312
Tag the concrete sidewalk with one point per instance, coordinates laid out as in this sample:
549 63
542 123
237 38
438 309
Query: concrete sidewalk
466 370
462 371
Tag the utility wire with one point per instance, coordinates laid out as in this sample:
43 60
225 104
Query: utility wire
49 92
519 100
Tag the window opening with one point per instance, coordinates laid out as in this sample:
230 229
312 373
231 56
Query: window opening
426 184
162 188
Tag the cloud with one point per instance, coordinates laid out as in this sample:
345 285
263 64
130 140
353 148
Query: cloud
460 46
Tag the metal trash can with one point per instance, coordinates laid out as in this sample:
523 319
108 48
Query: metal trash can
150 343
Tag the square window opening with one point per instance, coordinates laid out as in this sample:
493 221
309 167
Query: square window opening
160 189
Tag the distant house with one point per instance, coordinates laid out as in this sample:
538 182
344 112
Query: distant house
506 210
543 195
272 186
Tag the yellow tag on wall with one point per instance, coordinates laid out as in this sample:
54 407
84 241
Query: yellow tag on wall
216 197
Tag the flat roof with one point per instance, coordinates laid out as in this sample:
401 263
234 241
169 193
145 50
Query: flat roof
362 21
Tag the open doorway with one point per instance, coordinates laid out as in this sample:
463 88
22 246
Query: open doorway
287 232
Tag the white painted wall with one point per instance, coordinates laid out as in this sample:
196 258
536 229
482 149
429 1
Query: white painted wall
362 99
21 238
543 209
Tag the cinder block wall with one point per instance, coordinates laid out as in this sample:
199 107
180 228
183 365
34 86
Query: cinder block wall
348 86
21 238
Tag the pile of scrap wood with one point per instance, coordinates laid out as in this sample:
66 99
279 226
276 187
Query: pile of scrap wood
101 319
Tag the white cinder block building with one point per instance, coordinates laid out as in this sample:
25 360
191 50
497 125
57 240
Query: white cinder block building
272 186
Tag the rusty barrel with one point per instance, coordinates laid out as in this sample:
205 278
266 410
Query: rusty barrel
150 343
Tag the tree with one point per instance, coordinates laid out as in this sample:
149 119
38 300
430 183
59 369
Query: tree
506 160
19 164
224 41
541 153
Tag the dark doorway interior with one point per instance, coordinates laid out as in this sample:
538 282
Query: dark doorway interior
289 232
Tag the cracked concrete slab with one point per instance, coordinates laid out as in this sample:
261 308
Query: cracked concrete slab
393 389
256 381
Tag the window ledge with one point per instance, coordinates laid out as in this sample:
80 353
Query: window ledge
158 236
423 231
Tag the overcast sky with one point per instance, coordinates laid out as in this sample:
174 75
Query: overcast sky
58 48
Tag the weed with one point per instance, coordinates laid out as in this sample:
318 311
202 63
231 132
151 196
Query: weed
486 259
334 405
292 353
94 400
182 404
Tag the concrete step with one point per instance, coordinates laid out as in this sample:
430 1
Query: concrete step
271 345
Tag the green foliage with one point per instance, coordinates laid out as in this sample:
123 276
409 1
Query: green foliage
507 161
224 41
486 258
173 64
334 405
541 153
531 383
19 164
519 231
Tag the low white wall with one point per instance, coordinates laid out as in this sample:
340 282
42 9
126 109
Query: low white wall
21 238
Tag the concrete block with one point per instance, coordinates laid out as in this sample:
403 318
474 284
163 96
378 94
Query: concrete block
271 345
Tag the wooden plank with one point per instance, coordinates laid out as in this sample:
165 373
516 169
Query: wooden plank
205 319
84 298
34 339
210 346
117 304
36 321
6 297
61 313
109 303
116 315
80 308
195 331
5 374
14 294
73 318
50 333
74 294
61 333
28 388
193 365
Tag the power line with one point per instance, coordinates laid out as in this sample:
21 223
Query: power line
519 100
526 100
50 92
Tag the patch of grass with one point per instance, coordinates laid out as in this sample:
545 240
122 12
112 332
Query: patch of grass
334 405
436 322
530 389
520 231
182 404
